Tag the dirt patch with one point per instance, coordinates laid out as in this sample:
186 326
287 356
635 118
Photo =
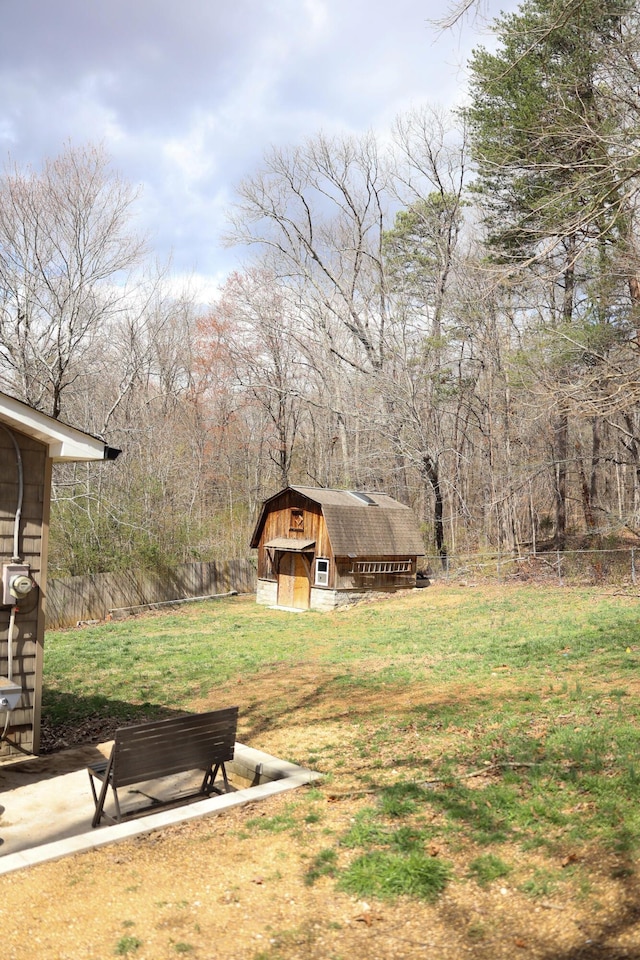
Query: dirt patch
234 887
225 889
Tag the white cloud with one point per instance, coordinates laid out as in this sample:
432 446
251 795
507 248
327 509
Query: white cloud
318 14
191 158
187 97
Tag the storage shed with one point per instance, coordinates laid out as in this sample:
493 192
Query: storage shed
321 548
30 443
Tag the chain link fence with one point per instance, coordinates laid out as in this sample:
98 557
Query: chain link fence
563 567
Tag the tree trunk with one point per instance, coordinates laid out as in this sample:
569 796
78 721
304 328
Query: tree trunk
431 472
561 424
561 452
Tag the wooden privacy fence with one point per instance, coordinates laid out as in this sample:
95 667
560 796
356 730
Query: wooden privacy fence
95 597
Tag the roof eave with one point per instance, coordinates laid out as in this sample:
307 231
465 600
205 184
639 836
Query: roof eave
64 443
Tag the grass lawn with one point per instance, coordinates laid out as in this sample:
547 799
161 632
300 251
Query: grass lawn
477 736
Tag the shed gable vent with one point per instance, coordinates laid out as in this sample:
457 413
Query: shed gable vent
363 498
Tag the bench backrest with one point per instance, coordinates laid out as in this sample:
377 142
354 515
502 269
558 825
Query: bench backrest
160 748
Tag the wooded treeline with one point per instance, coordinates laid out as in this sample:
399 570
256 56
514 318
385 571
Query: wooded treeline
447 311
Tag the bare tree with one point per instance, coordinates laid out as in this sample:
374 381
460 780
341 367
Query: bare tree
421 258
317 214
66 247
254 327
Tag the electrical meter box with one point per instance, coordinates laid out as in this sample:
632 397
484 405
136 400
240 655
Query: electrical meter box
10 694
16 583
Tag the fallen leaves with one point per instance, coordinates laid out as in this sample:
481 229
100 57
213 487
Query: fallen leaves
568 860
367 916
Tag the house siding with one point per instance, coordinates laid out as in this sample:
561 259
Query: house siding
23 732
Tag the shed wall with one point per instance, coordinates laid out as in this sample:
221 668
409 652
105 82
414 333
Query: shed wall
278 524
349 578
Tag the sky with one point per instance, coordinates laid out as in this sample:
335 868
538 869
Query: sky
187 97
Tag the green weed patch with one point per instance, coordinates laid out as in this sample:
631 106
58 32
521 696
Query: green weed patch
487 868
388 875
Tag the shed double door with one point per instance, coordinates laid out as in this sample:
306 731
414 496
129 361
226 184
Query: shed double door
293 582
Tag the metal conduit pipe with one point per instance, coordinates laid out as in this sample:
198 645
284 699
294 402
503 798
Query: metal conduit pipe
12 626
18 512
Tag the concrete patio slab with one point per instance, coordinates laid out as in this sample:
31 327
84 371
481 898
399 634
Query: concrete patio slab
46 804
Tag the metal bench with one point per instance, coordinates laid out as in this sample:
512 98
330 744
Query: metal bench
162 748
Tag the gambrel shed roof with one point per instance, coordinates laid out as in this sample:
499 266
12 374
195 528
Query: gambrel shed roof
359 524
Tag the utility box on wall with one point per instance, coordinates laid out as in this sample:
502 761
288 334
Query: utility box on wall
16 583
30 443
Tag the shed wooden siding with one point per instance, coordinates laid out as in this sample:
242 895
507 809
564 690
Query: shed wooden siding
349 577
278 524
24 721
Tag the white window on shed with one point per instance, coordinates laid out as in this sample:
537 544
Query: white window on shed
322 572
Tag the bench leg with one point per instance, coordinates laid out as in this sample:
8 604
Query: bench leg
224 777
210 777
99 801
104 776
